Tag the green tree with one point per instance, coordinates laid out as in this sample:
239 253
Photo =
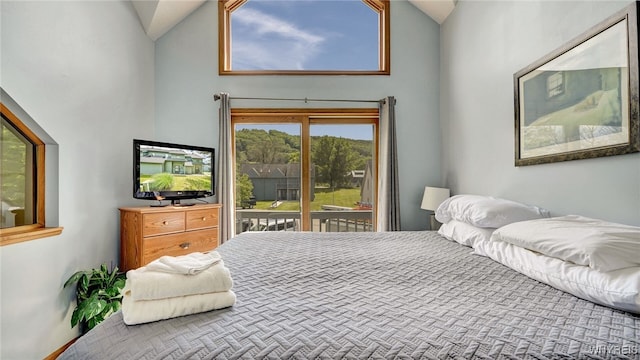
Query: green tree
260 146
244 188
268 149
342 162
294 158
321 157
334 159
363 149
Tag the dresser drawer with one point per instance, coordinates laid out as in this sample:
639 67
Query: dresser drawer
147 233
179 244
200 219
163 223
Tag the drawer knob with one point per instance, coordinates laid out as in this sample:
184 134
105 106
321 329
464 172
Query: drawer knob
204 218
185 245
165 222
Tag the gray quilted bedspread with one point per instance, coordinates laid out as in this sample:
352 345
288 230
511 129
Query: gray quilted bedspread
404 295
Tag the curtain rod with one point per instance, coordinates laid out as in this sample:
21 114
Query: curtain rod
216 97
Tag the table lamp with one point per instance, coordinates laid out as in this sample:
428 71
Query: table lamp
431 199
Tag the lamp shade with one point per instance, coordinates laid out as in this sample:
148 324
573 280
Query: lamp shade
433 197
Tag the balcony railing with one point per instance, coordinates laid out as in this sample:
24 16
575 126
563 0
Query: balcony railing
321 221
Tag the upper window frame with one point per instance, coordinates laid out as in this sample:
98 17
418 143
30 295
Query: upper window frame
226 7
38 229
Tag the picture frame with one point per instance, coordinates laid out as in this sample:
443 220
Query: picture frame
581 100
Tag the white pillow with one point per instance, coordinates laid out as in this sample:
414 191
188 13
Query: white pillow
619 289
598 244
464 233
486 211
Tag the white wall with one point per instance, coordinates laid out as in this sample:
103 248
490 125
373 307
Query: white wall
483 44
187 77
84 71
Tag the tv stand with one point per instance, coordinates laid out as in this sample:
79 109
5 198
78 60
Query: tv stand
148 233
174 203
177 203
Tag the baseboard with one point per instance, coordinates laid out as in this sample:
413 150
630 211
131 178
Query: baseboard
54 355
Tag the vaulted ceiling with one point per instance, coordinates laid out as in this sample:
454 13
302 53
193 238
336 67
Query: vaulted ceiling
159 16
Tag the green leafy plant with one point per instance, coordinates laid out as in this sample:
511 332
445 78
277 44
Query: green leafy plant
97 294
161 181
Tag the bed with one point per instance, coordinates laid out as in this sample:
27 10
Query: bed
400 295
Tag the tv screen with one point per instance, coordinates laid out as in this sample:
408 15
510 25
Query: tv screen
172 171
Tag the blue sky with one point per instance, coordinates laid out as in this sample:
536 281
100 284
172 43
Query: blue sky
304 35
357 132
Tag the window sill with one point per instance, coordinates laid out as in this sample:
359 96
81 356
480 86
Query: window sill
14 236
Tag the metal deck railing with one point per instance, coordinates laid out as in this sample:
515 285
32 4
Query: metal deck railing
321 221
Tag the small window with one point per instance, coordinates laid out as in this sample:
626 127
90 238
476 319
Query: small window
555 84
304 37
22 183
19 177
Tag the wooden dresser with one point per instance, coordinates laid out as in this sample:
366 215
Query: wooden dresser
147 233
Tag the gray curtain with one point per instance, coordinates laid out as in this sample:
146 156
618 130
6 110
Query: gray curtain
388 210
225 182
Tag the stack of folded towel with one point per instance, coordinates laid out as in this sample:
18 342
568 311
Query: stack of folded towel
175 286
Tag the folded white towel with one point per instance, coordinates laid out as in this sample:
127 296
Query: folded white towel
189 264
144 284
144 311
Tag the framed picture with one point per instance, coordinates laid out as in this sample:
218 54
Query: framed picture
581 100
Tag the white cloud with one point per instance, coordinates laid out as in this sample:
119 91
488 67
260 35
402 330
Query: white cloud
265 24
271 42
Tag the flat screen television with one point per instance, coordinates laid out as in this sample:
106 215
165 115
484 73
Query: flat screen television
165 171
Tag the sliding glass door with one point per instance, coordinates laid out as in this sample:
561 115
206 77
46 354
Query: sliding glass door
343 191
268 177
305 170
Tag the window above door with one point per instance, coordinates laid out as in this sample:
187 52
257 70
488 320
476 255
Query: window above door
310 37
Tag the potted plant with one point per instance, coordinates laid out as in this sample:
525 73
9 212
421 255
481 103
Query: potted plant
97 294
